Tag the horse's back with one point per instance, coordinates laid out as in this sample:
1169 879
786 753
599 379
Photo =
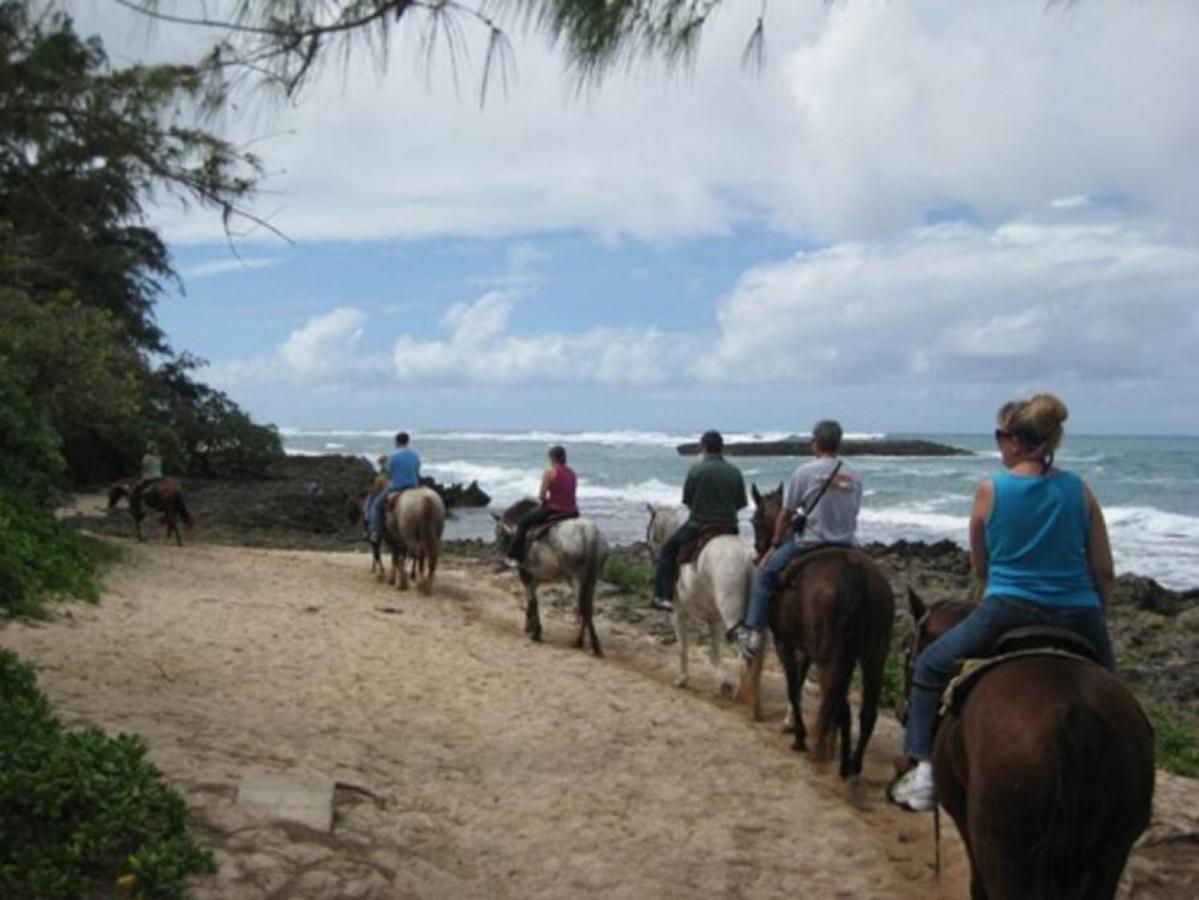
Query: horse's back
418 507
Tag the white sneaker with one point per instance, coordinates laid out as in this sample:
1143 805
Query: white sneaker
915 790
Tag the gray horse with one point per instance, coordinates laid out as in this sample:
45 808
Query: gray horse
572 550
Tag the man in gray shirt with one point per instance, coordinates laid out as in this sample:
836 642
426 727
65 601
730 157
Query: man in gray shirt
832 520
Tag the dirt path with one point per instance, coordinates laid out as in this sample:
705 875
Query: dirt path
508 769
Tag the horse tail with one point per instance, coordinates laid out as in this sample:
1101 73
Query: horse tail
429 539
1076 814
846 629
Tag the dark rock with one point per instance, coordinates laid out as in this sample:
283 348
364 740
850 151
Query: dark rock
456 495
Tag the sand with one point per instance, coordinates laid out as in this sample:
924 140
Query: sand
506 769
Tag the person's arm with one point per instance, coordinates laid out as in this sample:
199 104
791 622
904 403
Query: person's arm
1099 550
979 513
742 500
689 489
543 492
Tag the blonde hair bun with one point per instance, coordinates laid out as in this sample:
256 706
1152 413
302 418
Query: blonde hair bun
1046 412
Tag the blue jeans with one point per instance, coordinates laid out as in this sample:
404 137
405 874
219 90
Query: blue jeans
974 637
378 508
757 615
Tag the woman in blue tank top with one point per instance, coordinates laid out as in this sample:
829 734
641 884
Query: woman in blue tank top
1039 545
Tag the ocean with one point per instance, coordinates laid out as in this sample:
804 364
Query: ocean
1148 486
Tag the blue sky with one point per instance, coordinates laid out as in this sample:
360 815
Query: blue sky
917 210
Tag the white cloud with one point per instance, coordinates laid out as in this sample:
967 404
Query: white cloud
480 348
867 115
965 303
228 264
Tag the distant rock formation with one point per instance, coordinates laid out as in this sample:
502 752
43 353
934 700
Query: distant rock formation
803 447
456 495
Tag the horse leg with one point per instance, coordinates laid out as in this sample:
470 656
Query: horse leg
727 687
796 673
532 615
872 689
681 626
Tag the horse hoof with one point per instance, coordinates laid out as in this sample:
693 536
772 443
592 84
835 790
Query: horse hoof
681 681
799 745
788 728
535 637
727 689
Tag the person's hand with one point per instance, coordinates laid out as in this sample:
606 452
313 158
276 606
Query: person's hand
765 559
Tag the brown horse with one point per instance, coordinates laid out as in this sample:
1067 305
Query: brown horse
1047 771
837 612
413 525
163 496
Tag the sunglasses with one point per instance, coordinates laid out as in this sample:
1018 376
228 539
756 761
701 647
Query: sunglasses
1000 434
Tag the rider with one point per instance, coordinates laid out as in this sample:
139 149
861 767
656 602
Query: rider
557 497
829 516
1039 544
714 493
151 471
403 472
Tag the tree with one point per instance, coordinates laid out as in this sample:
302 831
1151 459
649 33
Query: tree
286 41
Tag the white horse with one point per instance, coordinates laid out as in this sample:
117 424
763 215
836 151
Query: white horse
414 523
714 590
572 550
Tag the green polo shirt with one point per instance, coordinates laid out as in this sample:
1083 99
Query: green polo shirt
714 492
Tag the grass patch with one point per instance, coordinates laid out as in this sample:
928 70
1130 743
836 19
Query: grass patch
82 813
42 560
632 578
1177 746
893 677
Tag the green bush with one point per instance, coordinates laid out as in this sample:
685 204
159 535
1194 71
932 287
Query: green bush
80 810
632 578
41 560
1177 746
893 676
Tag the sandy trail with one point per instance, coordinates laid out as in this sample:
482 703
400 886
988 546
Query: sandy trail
509 769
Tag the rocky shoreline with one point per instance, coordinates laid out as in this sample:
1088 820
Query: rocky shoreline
796 446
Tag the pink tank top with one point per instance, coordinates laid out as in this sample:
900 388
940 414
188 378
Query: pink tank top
562 491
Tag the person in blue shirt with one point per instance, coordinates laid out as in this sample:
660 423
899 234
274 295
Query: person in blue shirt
1039 544
403 472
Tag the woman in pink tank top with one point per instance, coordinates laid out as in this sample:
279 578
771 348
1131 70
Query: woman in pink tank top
557 496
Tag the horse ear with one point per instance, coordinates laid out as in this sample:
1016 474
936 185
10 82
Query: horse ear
779 490
493 515
649 507
756 494
916 605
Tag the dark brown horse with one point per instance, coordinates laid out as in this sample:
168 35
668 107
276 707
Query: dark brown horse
1047 771
837 612
163 496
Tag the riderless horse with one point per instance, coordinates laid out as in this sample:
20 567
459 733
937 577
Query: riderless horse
571 550
413 524
713 589
163 496
834 607
1046 767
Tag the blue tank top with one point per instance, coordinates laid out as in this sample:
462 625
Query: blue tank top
1037 538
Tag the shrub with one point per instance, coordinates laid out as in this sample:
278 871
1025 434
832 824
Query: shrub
1177 747
81 810
41 560
632 578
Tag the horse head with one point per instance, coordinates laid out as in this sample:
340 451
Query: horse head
505 525
930 621
767 509
118 491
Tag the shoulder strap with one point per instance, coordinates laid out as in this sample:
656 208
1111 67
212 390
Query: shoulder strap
824 487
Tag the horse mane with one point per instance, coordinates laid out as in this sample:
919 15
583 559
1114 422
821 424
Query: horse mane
519 510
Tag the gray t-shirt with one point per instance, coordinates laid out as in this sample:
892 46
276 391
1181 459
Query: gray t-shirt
835 518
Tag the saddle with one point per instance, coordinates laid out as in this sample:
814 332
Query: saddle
1019 643
541 529
791 573
689 552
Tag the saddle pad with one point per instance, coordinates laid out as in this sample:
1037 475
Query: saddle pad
972 670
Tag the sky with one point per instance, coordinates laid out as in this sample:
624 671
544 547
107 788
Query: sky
913 212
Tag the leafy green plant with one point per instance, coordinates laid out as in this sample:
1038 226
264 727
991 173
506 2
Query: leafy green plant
632 578
81 810
41 560
893 676
1177 745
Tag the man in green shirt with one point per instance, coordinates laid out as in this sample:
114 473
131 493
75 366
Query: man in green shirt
714 493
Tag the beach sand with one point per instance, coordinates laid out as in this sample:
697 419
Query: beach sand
508 769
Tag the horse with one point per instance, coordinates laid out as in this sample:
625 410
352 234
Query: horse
713 590
163 495
413 524
1047 770
838 613
570 550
